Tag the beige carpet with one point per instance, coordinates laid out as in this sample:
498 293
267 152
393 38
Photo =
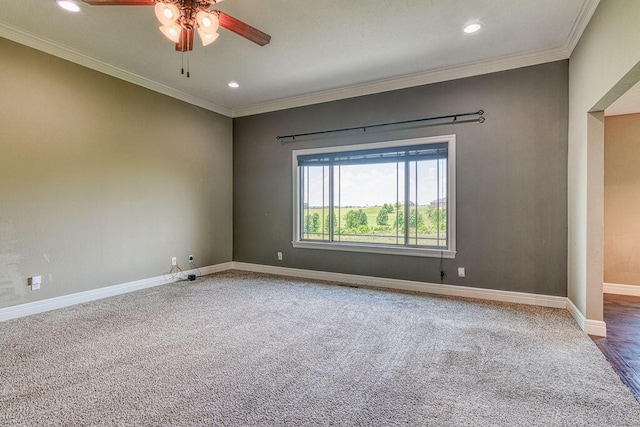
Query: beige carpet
244 349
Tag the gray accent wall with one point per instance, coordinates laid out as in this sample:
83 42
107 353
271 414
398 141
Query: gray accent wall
511 179
102 181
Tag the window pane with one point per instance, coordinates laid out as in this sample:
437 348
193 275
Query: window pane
382 194
365 200
428 203
441 207
315 202
398 220
414 216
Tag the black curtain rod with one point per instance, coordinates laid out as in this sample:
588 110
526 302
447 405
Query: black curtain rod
404 122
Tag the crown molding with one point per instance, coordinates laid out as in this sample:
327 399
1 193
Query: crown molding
418 79
402 82
437 75
31 40
584 16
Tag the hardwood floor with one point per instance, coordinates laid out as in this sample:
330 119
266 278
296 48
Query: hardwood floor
622 344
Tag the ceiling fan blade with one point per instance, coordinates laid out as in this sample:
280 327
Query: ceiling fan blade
120 2
242 29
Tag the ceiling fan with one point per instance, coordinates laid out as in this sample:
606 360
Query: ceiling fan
181 18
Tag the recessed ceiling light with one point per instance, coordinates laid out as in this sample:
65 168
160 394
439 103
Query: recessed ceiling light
233 85
68 5
472 28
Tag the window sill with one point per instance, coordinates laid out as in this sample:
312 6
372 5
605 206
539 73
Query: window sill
376 249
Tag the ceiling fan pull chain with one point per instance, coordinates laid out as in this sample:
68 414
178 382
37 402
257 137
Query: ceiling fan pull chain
182 70
188 66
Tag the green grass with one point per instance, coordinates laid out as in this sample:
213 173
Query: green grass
373 233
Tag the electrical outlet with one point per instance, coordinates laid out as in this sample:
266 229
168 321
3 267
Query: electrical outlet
190 258
461 272
279 256
174 261
35 282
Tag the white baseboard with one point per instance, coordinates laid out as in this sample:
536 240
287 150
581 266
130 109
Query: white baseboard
620 289
591 327
409 285
36 307
217 268
597 328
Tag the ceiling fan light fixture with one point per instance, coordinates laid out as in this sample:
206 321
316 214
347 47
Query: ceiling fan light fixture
167 13
172 32
68 5
207 22
181 18
207 38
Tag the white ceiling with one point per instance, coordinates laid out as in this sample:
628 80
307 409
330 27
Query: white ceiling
319 51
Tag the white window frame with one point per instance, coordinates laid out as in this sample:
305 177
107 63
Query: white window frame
449 253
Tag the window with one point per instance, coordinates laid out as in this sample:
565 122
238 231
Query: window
394 197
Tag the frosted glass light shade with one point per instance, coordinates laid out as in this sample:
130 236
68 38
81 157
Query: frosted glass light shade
167 13
172 32
207 38
207 22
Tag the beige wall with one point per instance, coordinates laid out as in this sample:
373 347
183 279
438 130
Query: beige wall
101 181
622 199
603 66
